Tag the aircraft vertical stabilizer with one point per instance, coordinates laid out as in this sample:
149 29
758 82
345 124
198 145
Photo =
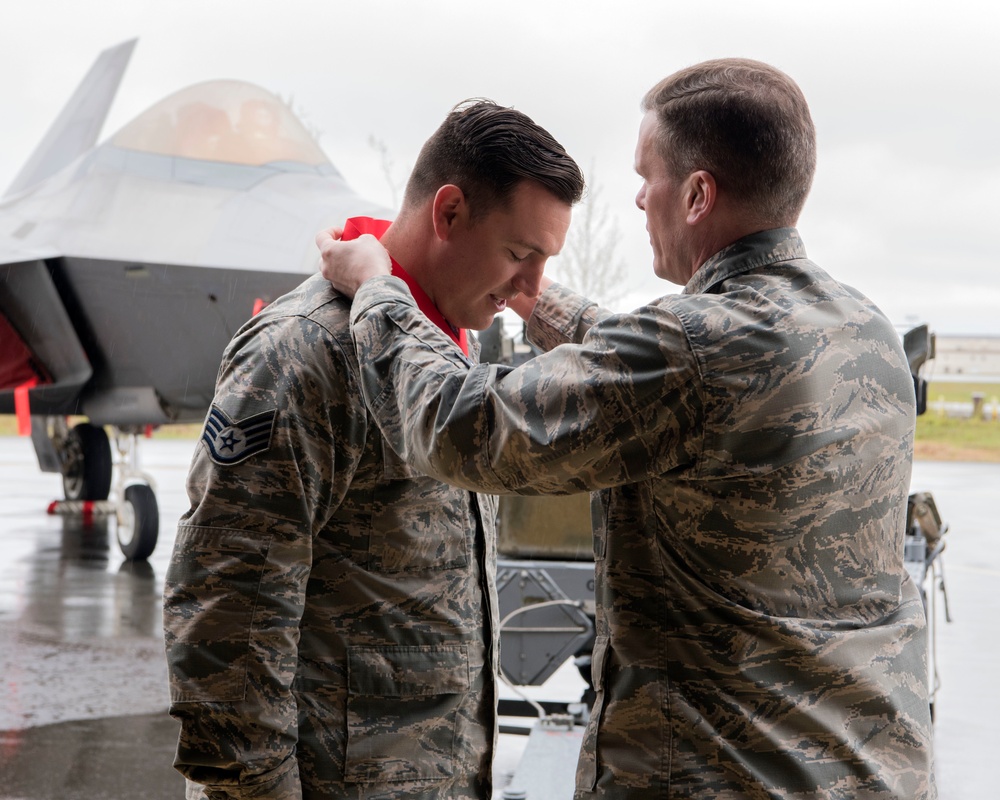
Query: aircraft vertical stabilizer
79 124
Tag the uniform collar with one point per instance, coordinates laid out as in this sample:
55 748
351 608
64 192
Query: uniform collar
756 250
355 227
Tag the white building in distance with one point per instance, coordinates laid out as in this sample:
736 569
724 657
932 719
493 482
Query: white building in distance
965 358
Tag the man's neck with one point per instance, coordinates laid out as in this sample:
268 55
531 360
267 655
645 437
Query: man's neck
728 225
406 245
412 249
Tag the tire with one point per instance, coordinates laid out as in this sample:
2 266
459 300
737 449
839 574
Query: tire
138 522
87 464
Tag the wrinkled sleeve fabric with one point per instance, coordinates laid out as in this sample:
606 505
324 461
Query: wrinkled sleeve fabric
562 316
618 407
236 585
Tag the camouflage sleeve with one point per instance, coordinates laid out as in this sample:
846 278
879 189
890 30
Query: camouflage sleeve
562 316
235 587
619 407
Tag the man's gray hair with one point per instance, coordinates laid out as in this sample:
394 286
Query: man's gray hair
745 122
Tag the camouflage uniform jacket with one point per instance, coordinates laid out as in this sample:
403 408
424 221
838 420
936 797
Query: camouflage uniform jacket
329 612
750 440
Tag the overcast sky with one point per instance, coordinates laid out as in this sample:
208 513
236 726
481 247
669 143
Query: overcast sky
905 96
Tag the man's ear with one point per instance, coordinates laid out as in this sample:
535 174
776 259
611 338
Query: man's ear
700 194
448 209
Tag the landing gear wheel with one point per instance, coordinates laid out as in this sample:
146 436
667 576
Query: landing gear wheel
87 465
138 522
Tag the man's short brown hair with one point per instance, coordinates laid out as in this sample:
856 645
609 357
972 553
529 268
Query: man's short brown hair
487 150
746 123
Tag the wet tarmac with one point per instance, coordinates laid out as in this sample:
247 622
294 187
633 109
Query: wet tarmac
83 685
83 691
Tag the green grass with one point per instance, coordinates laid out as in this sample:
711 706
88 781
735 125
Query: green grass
942 438
959 432
961 392
8 427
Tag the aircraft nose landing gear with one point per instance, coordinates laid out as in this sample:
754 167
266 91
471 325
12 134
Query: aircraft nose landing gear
138 512
84 456
138 522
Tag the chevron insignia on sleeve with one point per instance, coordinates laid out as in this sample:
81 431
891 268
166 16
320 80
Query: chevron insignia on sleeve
231 442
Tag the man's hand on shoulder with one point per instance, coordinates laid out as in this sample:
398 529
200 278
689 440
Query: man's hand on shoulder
349 264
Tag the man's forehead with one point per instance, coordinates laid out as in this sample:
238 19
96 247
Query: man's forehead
542 230
542 234
647 153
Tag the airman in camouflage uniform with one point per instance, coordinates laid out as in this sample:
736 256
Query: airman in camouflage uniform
749 441
330 612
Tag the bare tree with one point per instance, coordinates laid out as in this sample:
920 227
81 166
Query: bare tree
388 167
589 262
300 113
377 144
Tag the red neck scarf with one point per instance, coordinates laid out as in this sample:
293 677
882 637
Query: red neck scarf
355 227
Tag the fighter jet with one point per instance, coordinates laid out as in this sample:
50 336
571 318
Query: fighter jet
127 266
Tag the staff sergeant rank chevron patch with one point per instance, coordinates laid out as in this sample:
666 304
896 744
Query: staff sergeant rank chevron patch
232 442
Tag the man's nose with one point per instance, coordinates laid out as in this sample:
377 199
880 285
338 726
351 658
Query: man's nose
528 280
640 198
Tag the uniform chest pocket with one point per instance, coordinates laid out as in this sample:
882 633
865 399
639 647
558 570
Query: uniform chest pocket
395 468
417 522
403 716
